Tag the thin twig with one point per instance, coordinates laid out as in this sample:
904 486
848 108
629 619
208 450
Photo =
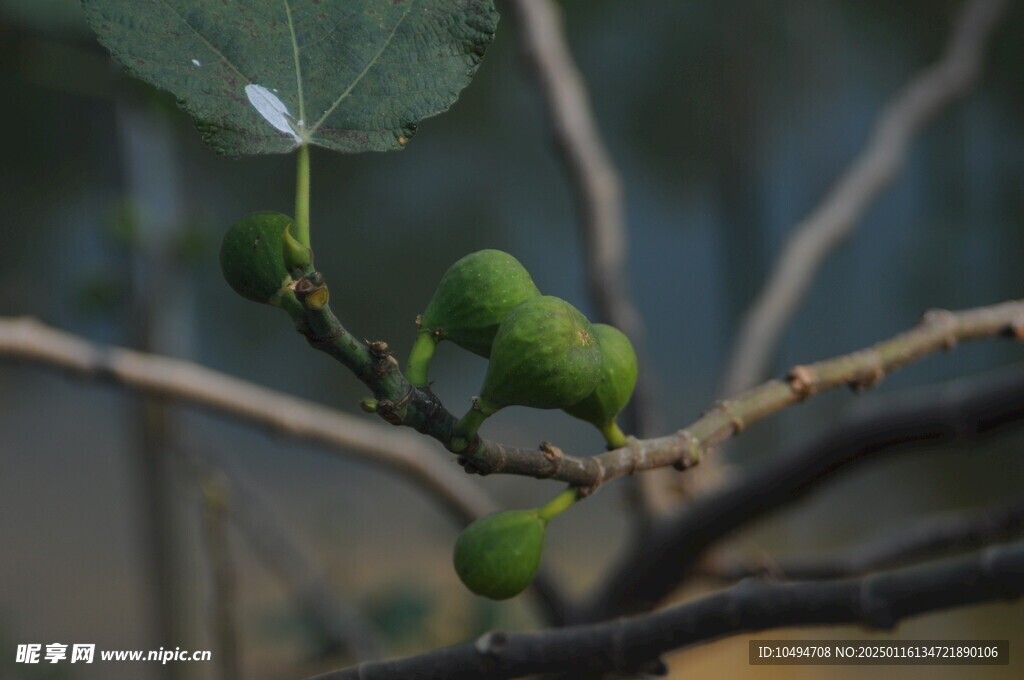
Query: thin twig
589 167
877 166
938 329
27 339
928 538
598 189
651 570
635 645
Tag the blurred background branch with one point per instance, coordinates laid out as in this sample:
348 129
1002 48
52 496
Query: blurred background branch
403 452
634 645
963 411
598 191
875 168
931 537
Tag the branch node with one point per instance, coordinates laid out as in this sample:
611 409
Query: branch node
690 454
491 643
585 491
311 291
476 464
384 362
1016 329
378 348
1011 588
943 318
874 610
725 406
872 375
394 411
636 452
803 381
654 666
553 455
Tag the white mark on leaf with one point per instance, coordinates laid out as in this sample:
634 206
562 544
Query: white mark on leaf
272 109
195 62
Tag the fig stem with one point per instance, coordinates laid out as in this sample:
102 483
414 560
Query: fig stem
302 197
419 359
613 435
559 504
469 424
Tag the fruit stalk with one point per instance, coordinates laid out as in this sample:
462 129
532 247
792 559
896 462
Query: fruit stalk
559 504
613 436
419 359
469 424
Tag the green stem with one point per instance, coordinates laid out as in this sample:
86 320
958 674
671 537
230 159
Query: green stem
466 429
613 435
559 504
302 197
419 359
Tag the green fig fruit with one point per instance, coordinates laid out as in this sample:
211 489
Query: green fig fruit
618 378
497 556
473 298
253 257
545 355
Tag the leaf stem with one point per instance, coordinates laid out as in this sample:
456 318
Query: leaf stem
301 232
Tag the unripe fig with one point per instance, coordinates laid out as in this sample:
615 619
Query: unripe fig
544 355
497 556
473 298
252 256
618 378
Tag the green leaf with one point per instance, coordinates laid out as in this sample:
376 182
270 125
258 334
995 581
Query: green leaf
264 76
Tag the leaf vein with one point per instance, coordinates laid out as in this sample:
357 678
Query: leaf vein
365 70
209 44
298 65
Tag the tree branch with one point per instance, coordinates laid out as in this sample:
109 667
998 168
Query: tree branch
938 329
398 402
927 538
876 167
26 339
653 568
632 645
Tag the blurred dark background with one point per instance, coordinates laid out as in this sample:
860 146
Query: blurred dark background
728 122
